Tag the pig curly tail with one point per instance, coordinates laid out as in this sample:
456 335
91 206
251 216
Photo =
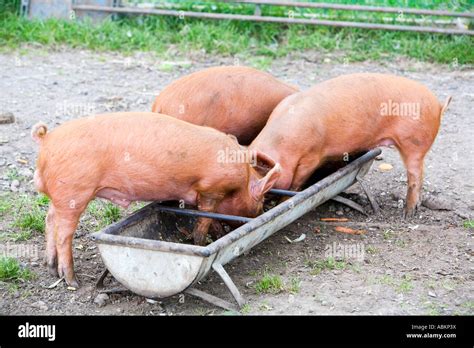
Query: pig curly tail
38 131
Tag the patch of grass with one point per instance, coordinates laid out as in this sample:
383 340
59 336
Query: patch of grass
12 174
9 7
42 200
6 204
469 305
102 213
434 309
356 267
111 213
269 283
11 270
432 284
12 288
20 236
170 36
30 215
25 294
167 67
260 62
265 307
24 212
405 285
253 273
32 220
137 206
201 311
245 309
295 286
387 280
400 243
327 264
370 249
448 284
388 234
468 224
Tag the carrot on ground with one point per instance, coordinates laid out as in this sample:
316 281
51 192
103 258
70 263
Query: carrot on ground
348 230
332 219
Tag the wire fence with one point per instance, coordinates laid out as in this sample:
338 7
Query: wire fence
449 17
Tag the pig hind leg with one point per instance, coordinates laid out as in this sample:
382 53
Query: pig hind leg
413 160
51 252
66 219
65 226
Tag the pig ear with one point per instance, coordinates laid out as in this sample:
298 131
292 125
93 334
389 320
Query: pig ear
264 163
261 186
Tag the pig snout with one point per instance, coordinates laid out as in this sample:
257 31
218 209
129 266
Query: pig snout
249 202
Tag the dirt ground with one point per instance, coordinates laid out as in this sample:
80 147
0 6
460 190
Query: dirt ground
422 266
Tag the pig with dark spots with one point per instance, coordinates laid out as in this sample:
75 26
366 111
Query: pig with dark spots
125 157
350 114
233 99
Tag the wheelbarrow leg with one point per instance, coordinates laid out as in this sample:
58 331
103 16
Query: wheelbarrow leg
349 203
216 301
100 283
229 283
369 195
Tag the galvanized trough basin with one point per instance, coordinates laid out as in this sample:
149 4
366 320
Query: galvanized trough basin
144 253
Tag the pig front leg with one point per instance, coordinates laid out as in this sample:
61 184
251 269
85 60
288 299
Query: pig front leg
208 204
200 231
216 229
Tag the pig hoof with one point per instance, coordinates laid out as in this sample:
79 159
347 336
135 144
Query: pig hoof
409 214
74 283
53 270
70 278
52 267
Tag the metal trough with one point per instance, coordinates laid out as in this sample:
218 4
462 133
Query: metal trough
144 252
